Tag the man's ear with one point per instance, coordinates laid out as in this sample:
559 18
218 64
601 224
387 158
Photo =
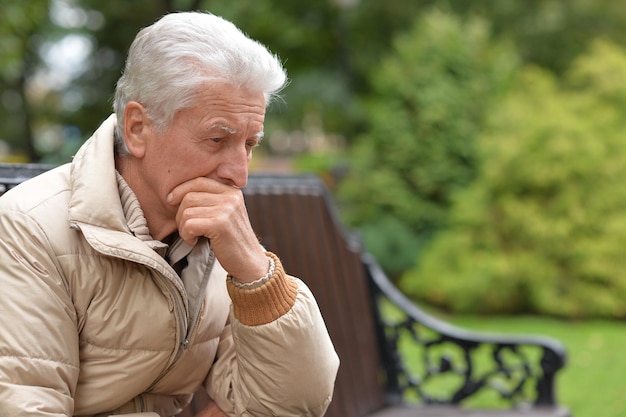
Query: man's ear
136 128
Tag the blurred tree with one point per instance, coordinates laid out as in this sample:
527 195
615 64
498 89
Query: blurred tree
543 227
20 24
430 98
550 33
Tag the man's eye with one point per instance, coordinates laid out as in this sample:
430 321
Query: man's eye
252 144
216 140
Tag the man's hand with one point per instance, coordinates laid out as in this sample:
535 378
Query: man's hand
209 208
211 410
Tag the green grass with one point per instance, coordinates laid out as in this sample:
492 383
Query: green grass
593 383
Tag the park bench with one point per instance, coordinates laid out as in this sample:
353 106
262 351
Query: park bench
396 359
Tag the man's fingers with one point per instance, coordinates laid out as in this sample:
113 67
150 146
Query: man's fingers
200 184
205 214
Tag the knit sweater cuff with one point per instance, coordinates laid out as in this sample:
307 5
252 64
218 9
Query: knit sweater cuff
264 304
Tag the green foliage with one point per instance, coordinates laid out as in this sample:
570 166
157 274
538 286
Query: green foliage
543 227
550 33
20 22
430 99
393 243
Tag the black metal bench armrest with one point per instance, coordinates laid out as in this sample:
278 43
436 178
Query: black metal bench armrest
520 368
14 174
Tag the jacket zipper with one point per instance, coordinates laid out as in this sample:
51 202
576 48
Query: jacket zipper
182 317
195 314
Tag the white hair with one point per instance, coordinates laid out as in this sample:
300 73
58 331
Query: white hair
170 59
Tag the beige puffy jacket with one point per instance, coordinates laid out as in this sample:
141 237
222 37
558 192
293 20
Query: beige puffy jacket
94 321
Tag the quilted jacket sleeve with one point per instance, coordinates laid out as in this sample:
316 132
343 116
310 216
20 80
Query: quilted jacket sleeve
38 338
276 357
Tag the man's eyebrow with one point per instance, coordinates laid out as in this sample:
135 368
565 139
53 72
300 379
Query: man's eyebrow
230 130
225 129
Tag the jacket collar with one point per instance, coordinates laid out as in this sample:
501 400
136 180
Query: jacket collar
95 198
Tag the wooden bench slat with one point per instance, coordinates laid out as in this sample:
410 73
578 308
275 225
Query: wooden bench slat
352 296
328 267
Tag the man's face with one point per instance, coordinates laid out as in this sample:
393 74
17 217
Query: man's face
213 139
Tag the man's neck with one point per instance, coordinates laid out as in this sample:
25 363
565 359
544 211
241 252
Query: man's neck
159 224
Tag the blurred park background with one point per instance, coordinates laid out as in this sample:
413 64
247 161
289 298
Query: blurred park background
477 146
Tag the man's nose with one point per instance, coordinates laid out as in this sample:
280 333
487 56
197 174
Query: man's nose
233 168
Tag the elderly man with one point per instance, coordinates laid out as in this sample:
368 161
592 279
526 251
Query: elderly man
132 276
